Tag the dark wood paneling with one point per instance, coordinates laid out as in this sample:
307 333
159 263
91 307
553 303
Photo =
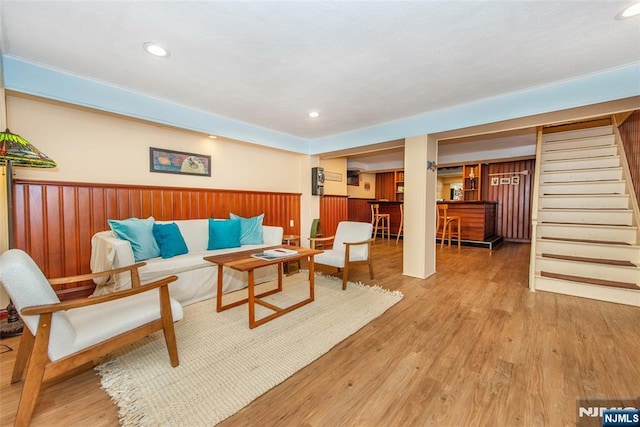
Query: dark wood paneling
385 186
630 134
333 209
359 210
514 201
54 221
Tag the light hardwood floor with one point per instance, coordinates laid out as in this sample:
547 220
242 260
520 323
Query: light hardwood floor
468 346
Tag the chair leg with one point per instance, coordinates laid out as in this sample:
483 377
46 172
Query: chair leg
345 276
388 229
370 269
459 237
375 227
24 351
167 326
384 227
399 231
444 229
35 373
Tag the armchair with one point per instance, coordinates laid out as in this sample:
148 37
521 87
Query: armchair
61 336
351 245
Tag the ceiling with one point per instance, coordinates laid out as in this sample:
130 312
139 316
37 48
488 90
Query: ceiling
360 63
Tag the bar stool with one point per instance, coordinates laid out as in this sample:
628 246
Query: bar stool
401 222
447 221
379 220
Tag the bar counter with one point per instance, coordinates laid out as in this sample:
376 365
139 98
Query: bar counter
477 218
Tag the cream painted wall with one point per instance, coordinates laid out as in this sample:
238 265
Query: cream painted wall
335 166
359 192
89 146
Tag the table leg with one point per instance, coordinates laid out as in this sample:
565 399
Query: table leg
219 294
311 278
252 300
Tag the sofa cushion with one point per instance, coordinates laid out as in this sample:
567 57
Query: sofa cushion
250 229
169 240
139 232
195 233
224 233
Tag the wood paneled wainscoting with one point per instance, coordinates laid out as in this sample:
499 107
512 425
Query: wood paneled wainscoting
333 209
514 200
54 221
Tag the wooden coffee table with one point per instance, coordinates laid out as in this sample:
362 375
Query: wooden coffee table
243 261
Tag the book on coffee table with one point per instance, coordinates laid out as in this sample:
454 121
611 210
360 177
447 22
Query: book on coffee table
273 254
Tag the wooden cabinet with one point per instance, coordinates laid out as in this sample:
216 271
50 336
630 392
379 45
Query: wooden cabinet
475 181
399 185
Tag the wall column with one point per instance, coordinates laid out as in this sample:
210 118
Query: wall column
419 257
309 205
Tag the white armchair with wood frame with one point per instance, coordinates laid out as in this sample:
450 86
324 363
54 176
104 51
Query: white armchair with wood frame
61 336
351 245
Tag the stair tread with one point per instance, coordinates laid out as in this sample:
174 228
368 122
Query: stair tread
606 168
574 195
592 224
548 146
606 181
590 280
574 136
581 224
616 262
602 242
581 159
589 209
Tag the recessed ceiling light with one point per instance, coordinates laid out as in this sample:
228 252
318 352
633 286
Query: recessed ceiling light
156 50
314 114
213 137
629 11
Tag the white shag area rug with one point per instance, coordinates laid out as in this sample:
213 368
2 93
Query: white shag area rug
224 365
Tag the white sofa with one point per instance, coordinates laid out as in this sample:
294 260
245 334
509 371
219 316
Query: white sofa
197 278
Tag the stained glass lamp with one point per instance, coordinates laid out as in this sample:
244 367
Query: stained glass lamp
17 151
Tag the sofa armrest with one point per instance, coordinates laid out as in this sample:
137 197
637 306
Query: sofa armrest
108 253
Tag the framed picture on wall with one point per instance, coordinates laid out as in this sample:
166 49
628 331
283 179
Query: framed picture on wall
178 162
515 180
332 176
495 180
505 180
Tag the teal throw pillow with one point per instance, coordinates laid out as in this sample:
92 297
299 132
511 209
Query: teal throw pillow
139 232
169 240
224 233
250 229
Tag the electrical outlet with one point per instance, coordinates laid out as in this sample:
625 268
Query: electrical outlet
291 223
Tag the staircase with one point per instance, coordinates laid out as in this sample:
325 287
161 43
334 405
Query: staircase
586 238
